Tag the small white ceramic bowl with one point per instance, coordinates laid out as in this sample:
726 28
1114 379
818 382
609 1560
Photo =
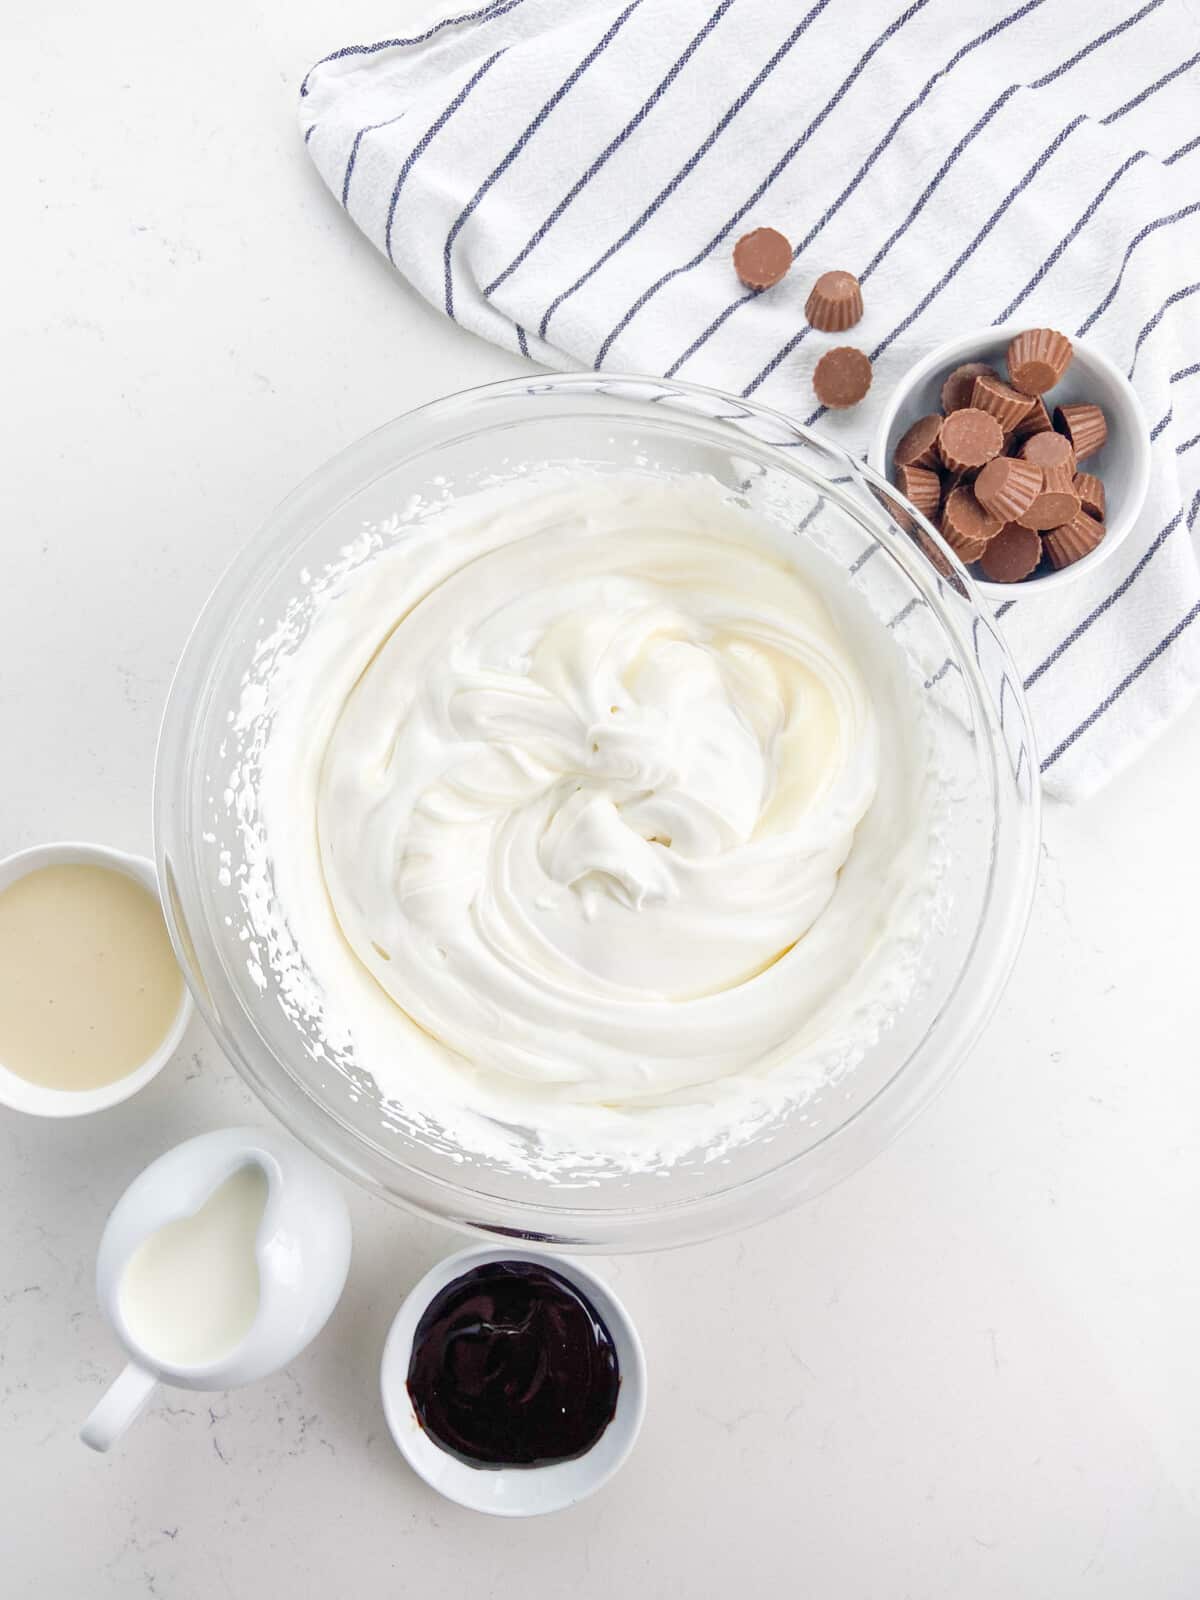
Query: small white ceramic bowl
513 1491
1123 464
17 1092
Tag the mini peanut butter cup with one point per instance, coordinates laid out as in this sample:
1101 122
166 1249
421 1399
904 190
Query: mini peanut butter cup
1091 494
1000 400
1037 360
1055 504
1059 480
918 445
970 550
956 391
922 487
1074 540
956 480
1035 420
1048 450
1085 426
1006 487
842 377
834 302
1012 554
761 258
965 521
968 437
967 550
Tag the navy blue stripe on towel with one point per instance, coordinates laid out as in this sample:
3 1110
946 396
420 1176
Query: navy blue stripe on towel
789 155
487 13
611 148
1109 600
1132 676
503 165
426 140
689 165
1076 228
972 133
352 160
1171 300
1141 235
823 221
1129 678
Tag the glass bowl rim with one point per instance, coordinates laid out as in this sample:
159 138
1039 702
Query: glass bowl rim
685 1219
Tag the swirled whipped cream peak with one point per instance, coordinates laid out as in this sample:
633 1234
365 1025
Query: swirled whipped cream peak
580 802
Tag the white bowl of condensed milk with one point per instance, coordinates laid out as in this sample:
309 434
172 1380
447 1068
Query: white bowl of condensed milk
92 1002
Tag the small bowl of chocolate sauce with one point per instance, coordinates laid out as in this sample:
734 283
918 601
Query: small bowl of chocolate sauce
513 1384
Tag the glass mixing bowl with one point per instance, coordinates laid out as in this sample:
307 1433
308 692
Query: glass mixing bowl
897 567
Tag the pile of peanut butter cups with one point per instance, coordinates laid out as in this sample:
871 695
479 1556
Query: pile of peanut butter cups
999 474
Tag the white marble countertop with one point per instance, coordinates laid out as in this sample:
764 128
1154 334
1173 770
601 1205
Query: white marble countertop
969 1371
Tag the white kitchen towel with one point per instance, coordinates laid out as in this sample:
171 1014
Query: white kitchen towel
567 177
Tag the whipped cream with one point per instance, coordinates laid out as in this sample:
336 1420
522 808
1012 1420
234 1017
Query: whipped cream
579 802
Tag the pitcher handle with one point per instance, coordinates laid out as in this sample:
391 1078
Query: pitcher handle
118 1407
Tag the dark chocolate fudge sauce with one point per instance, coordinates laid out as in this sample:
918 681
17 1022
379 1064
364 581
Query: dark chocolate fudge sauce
512 1367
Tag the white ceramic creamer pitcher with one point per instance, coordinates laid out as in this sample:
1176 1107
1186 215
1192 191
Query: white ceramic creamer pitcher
218 1265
